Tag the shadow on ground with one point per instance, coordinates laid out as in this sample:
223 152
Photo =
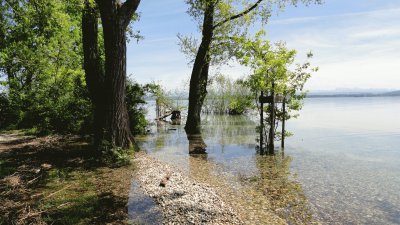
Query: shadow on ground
57 180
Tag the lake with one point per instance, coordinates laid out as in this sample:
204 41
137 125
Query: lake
342 166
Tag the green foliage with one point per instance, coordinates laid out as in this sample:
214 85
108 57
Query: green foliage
274 71
223 46
73 193
227 96
7 114
171 100
135 94
41 64
156 91
115 156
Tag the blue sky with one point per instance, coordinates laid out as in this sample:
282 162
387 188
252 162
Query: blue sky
356 44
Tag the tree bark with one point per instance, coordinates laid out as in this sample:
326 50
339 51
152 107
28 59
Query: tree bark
283 121
94 73
115 17
199 77
271 139
107 85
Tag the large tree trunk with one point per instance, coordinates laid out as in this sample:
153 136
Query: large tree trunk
115 18
94 73
117 121
107 90
199 77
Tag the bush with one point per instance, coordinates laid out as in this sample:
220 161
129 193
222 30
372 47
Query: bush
115 156
135 94
5 112
64 110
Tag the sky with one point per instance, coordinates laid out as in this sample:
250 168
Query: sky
356 44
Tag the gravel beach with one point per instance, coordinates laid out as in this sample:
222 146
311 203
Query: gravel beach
182 200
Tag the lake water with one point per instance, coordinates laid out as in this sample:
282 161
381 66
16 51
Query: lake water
342 166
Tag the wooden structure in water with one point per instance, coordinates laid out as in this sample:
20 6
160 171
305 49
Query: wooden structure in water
163 111
272 100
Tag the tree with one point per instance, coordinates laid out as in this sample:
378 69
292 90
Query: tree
40 65
94 71
108 90
219 21
227 96
274 73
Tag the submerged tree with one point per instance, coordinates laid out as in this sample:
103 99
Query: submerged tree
275 74
107 85
218 21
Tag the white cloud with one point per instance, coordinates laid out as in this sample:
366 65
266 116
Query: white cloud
353 50
293 20
378 33
365 73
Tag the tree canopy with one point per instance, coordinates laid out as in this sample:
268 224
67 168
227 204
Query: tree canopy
43 83
220 23
40 64
274 72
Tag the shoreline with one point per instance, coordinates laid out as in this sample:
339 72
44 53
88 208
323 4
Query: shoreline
58 179
182 200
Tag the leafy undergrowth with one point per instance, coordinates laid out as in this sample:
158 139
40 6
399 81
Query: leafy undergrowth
58 180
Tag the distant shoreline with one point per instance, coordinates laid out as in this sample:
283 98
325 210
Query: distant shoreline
357 95
330 95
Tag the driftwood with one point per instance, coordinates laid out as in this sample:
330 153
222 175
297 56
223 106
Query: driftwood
176 115
163 182
164 116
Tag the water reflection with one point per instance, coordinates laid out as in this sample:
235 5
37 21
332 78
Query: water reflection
142 209
196 144
285 195
260 187
347 160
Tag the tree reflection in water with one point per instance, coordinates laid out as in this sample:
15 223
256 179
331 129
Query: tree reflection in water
278 187
261 188
196 144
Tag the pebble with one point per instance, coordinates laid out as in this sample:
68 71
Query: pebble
182 200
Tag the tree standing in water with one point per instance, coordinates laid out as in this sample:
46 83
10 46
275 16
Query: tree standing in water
274 73
218 21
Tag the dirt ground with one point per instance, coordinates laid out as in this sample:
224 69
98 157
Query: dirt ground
58 180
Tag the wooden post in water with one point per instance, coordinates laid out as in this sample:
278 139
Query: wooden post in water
272 125
261 125
157 109
283 122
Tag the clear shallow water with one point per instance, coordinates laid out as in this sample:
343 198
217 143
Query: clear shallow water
345 153
142 209
347 156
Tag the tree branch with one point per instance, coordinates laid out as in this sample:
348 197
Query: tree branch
238 15
127 10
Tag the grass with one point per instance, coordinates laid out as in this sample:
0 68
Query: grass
70 199
59 180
